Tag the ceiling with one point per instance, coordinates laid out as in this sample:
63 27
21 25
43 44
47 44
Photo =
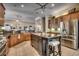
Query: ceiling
30 8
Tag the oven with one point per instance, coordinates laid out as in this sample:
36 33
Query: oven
2 48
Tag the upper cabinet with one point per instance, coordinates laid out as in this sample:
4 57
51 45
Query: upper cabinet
74 16
54 22
69 20
51 22
66 17
2 13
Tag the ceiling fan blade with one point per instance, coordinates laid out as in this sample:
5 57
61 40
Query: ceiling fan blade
45 4
39 4
42 6
37 9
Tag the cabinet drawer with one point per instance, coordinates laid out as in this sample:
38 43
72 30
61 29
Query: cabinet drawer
68 43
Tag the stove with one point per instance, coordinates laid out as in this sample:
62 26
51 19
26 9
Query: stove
2 47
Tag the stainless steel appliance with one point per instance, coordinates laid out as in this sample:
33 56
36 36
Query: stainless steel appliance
2 47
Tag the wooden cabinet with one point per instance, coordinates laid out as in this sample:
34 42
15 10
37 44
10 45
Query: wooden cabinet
49 24
70 23
13 40
52 22
2 13
36 42
74 16
21 37
18 38
66 17
2 10
78 15
71 16
1 21
68 42
28 36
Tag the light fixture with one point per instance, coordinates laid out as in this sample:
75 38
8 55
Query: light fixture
59 29
3 28
52 29
22 5
52 5
17 20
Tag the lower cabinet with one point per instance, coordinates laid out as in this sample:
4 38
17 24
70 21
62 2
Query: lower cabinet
27 36
36 42
18 38
21 38
68 42
13 40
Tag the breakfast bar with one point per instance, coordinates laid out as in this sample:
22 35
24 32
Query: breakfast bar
40 41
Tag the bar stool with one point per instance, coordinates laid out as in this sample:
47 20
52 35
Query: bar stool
53 44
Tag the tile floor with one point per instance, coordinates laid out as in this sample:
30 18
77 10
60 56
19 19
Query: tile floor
25 49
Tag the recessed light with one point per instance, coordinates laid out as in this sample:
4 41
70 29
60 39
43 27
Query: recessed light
3 28
17 20
52 5
22 5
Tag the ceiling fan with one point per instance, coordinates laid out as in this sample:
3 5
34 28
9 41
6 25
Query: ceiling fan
43 7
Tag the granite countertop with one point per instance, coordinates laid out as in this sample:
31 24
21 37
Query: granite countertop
46 35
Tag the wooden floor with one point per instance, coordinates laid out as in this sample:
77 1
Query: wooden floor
25 49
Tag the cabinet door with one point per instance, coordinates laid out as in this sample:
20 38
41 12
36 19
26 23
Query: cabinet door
2 11
78 15
21 37
74 16
27 36
49 23
13 40
1 21
66 17
40 46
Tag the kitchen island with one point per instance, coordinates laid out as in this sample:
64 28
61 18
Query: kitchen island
40 42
